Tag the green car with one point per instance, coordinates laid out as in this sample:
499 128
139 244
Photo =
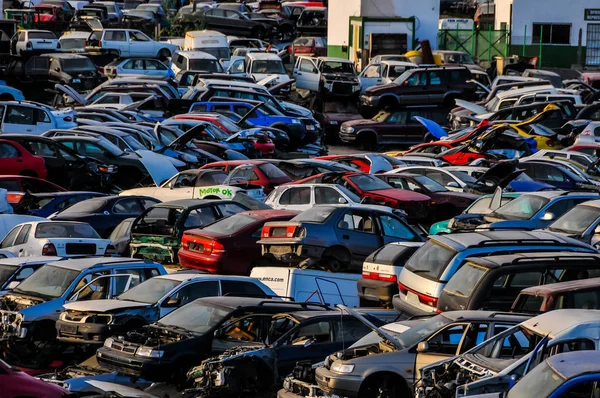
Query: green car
480 206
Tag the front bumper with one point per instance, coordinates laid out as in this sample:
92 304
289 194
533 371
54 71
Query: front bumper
294 388
134 365
346 136
338 384
369 101
341 88
83 333
374 290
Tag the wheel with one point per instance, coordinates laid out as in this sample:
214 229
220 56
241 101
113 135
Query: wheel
258 32
367 141
164 54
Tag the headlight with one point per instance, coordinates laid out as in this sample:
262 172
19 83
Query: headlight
144 351
296 121
108 342
340 367
349 129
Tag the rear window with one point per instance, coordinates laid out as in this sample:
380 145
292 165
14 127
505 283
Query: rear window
430 260
209 65
465 279
529 303
391 255
271 171
65 230
86 206
10 185
230 225
42 35
315 214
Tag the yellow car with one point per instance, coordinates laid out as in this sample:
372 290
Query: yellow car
544 137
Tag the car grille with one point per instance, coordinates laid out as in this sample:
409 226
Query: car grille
126 348
80 248
342 88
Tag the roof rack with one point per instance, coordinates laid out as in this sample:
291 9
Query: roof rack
303 304
126 260
268 296
495 314
558 257
498 242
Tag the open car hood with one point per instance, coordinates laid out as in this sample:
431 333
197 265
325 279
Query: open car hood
502 173
158 166
187 137
382 333
477 109
71 93
435 129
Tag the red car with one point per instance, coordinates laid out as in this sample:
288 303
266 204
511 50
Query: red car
229 245
443 145
16 160
309 46
415 205
15 383
588 149
370 163
17 186
262 143
264 173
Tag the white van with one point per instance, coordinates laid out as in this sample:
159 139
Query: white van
260 66
195 60
209 41
310 285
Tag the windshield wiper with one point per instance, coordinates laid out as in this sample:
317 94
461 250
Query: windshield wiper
34 294
419 271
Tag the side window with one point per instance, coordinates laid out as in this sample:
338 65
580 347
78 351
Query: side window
435 78
23 234
349 330
10 238
372 71
8 151
234 288
128 64
562 206
417 79
200 217
229 209
146 203
250 328
440 177
137 276
127 206
395 228
195 291
358 221
20 115
552 173
232 15
476 334
589 300
296 196
326 196
138 36
314 333
397 118
115 35
97 290
307 66
447 340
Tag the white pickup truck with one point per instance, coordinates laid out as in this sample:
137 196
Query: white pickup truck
202 184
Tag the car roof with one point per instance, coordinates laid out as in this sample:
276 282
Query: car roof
466 240
334 59
190 275
260 55
562 287
572 364
558 322
482 315
234 302
197 55
397 63
528 259
29 260
268 213
80 264
64 56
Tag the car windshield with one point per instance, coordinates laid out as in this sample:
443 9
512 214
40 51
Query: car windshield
6 271
230 225
522 208
368 183
229 125
400 79
340 107
77 65
48 281
217 52
421 331
315 214
217 132
430 260
430 184
464 177
72 44
458 58
150 291
196 316
337 67
57 229
540 382
270 67
576 220
86 206
42 35
396 71
133 143
208 65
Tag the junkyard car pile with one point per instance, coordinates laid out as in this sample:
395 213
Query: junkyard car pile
177 218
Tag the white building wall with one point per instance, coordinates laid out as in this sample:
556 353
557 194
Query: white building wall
502 13
527 12
338 20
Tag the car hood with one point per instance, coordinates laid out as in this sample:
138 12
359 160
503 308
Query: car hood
343 117
435 129
159 166
475 108
296 109
400 194
102 305
376 90
503 172
460 195
360 122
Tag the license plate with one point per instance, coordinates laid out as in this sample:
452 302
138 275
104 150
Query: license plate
334 122
71 329
280 249
76 80
412 298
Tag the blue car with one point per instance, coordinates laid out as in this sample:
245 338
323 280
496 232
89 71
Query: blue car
301 131
45 204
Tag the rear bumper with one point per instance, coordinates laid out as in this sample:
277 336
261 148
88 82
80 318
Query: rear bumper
374 290
191 259
406 309
293 254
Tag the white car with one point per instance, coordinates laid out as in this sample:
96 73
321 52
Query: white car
33 41
55 238
136 67
73 42
384 72
195 60
202 184
21 117
260 66
127 43
579 157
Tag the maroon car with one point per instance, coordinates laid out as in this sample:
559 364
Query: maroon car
16 383
18 186
446 204
228 246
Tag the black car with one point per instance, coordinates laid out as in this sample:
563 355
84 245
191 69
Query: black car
46 204
312 22
332 113
66 167
121 236
232 22
167 349
105 213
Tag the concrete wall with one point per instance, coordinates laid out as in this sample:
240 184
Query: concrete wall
502 13
340 12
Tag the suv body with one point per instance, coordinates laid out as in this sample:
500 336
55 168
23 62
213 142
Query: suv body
584 294
431 267
31 310
81 322
581 222
127 43
433 85
260 65
195 60
333 76
169 348
14 270
493 282
22 117
383 72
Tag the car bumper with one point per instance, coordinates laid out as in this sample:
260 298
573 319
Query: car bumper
374 290
147 368
406 309
347 137
293 254
82 333
369 102
195 260
338 384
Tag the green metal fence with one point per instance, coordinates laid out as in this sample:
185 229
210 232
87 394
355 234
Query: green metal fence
482 44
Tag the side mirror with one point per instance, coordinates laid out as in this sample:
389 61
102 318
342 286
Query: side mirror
12 285
423 346
597 230
57 69
172 302
453 184
342 201
548 216
127 150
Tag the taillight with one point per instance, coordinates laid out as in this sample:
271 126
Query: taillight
423 298
202 245
550 142
49 250
266 232
58 45
110 251
14 197
290 231
100 43
379 277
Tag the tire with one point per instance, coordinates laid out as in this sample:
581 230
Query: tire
6 97
388 103
367 140
164 54
258 32
449 102
212 197
337 259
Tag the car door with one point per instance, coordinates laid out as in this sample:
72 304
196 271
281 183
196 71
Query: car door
437 86
393 130
154 68
141 45
414 89
43 121
22 247
118 40
306 74
19 119
9 240
187 293
370 77
237 67
296 199
237 23
11 161
57 162
357 230
250 330
215 19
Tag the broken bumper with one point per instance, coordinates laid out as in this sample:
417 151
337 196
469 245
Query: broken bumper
338 384
293 388
154 251
12 325
82 333
132 365
293 254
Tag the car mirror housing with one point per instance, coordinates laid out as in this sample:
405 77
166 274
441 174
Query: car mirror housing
423 346
548 216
